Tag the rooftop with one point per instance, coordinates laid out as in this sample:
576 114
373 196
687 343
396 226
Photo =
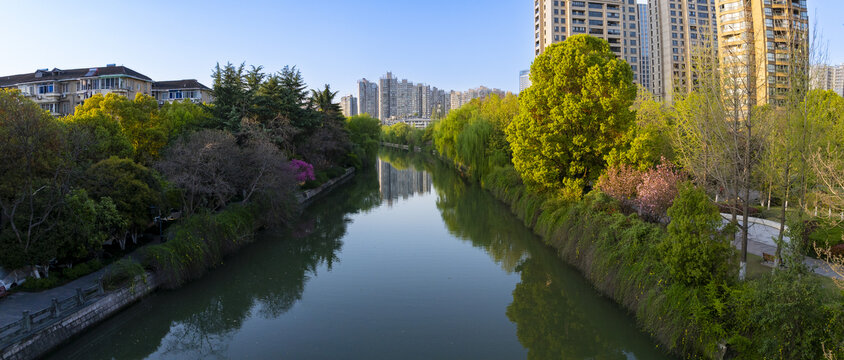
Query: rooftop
179 84
59 74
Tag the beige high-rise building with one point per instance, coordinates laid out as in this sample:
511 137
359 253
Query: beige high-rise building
613 20
765 34
678 28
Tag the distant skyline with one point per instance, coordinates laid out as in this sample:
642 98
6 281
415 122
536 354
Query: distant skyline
453 45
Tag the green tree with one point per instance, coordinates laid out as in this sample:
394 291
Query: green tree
695 251
230 96
105 136
139 120
364 131
180 117
649 140
84 225
574 115
36 165
134 188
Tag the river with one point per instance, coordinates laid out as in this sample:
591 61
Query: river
407 261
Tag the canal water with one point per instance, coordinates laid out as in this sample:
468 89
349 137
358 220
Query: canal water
407 261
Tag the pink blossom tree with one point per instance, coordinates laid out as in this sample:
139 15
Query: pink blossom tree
657 190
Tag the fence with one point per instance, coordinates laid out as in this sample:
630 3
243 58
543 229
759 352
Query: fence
32 322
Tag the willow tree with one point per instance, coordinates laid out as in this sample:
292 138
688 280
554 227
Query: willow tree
576 112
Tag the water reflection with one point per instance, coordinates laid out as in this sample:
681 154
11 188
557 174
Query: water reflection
417 295
557 312
264 280
401 183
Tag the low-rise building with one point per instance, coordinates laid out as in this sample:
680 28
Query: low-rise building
187 89
60 91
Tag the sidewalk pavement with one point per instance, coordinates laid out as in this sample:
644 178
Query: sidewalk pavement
760 239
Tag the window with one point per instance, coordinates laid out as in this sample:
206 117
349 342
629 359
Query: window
596 6
45 88
596 14
596 22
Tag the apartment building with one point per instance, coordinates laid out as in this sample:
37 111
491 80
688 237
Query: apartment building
368 98
613 20
349 105
388 87
679 30
460 98
828 77
524 80
181 90
60 91
645 72
763 37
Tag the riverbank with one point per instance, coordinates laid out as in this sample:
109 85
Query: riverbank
55 328
784 314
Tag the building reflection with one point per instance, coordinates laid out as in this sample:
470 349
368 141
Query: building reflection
395 183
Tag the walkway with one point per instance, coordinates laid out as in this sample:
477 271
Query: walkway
760 239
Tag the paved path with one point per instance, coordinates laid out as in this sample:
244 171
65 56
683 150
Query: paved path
13 305
760 239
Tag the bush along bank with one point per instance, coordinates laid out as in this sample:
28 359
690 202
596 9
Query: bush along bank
705 314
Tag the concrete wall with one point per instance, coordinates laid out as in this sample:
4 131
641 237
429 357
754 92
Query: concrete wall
41 342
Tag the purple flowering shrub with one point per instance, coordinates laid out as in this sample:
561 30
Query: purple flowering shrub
304 171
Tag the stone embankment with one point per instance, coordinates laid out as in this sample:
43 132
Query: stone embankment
42 330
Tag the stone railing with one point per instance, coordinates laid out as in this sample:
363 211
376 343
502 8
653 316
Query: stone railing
31 323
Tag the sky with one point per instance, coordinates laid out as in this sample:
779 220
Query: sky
451 44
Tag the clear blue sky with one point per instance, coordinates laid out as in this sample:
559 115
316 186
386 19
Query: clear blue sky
451 44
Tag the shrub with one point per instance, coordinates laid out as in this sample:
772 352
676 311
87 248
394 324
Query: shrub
199 243
34 284
657 190
695 250
122 271
82 269
621 182
303 171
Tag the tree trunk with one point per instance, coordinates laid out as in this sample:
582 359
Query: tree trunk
778 260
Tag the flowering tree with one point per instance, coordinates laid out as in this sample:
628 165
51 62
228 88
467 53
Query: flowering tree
658 188
304 171
621 182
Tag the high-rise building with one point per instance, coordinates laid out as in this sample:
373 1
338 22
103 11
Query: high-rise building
612 20
766 37
388 88
678 29
349 105
368 98
460 98
828 77
524 80
644 47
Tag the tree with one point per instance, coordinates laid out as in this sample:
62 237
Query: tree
695 250
230 96
573 116
139 121
181 117
105 134
364 132
36 166
132 187
84 225
649 139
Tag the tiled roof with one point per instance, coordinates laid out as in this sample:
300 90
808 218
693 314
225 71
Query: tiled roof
58 74
178 84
